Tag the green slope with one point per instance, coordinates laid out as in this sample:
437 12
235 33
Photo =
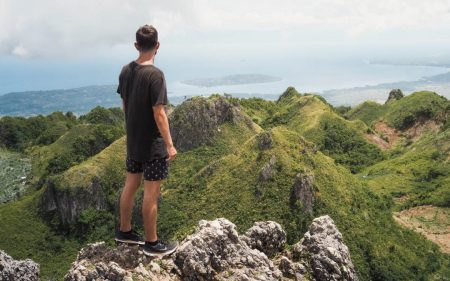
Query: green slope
223 180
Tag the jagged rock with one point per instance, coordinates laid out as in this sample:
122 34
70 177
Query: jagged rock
266 236
98 262
268 171
329 256
394 94
303 190
291 269
215 252
14 270
265 140
196 121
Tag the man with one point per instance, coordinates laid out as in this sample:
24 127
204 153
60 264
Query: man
142 87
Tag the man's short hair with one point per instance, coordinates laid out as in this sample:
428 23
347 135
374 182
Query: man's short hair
147 37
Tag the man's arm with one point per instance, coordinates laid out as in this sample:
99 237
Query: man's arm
163 125
123 105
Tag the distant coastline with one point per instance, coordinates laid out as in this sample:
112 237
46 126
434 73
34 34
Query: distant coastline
235 79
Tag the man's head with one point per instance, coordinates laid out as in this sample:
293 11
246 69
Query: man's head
147 39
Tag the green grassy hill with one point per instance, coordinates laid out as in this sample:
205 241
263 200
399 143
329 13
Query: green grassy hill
246 171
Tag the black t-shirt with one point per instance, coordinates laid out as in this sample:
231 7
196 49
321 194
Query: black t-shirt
142 86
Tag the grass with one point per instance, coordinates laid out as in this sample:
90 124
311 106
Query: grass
14 168
420 171
24 235
222 180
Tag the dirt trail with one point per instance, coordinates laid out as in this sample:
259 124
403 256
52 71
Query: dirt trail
431 221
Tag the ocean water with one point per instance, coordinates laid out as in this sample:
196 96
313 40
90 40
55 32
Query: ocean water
311 78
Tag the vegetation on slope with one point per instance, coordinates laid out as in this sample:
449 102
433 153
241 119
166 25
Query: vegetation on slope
223 179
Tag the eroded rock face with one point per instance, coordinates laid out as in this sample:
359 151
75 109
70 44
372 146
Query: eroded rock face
268 170
216 252
14 270
69 204
329 256
304 191
196 121
394 95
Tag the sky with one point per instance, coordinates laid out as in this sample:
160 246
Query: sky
50 44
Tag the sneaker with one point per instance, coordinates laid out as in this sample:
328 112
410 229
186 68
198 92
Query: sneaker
160 249
131 237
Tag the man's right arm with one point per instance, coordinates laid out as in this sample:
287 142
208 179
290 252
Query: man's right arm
163 126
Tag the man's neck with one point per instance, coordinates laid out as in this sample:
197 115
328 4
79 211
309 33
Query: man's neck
145 58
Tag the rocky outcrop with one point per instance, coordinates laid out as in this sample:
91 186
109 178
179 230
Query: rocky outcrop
13 270
196 121
394 95
265 140
303 190
215 251
268 170
329 258
68 204
266 236
99 262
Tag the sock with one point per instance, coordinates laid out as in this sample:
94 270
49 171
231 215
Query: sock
127 232
152 243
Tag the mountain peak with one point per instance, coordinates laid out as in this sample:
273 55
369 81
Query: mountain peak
217 252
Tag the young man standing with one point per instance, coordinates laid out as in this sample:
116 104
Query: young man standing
142 87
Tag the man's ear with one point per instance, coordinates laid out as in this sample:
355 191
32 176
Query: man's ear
136 46
156 47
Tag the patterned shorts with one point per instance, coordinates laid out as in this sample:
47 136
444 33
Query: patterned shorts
153 170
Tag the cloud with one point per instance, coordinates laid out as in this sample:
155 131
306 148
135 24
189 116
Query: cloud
70 28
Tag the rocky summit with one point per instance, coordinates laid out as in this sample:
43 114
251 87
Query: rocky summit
13 270
215 251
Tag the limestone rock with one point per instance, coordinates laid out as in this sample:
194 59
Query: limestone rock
265 236
196 121
268 171
98 262
394 95
14 270
215 252
265 140
330 257
303 190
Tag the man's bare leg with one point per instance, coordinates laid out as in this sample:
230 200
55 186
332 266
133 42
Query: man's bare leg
150 208
132 183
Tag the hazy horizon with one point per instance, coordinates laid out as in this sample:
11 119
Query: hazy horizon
47 45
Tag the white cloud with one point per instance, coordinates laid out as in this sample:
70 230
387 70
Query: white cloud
66 28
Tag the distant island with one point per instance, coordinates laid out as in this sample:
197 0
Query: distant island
236 79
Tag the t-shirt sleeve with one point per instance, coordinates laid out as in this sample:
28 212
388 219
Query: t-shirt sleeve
158 90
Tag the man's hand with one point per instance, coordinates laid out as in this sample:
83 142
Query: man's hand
172 152
163 126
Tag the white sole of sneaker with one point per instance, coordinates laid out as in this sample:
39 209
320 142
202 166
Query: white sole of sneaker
130 241
159 255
